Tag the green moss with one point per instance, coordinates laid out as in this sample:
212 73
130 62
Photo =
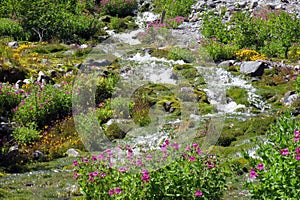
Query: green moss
160 53
49 48
114 131
239 95
177 53
190 73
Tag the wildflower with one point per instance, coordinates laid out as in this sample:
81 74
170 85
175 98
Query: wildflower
198 193
253 174
149 157
145 176
100 105
192 158
111 192
284 151
75 163
76 175
260 166
41 105
95 173
214 38
118 190
297 150
199 150
176 146
90 178
164 148
122 169
167 142
210 165
103 175
30 108
298 157
100 156
85 160
94 157
22 101
188 148
195 145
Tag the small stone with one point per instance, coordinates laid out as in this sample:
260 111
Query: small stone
13 44
99 63
72 153
83 46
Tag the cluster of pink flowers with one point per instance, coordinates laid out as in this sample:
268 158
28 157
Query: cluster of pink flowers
145 175
253 173
115 191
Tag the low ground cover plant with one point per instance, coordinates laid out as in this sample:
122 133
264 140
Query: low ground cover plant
274 173
191 175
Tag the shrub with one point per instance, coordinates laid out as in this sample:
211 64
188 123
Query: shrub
177 53
44 104
26 134
216 50
11 28
121 8
274 173
174 8
191 176
9 99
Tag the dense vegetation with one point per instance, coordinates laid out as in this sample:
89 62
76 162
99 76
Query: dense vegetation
42 118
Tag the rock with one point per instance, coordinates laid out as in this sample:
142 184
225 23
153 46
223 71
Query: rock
226 63
253 4
83 46
37 155
99 63
13 44
44 78
168 106
289 98
253 68
72 153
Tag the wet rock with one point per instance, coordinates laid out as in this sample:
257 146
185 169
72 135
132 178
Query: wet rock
226 63
253 68
72 153
42 78
289 98
100 63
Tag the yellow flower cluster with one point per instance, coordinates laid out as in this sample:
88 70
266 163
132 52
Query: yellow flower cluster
22 47
249 55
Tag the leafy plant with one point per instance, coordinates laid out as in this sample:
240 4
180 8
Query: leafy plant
177 53
11 28
174 8
191 176
121 8
274 173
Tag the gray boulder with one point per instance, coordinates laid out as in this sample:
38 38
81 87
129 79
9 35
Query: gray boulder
289 98
253 68
102 62
72 153
13 44
226 63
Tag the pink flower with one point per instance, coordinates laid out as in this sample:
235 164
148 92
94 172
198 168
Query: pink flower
94 157
214 38
198 193
199 150
298 157
167 142
30 108
284 151
297 133
210 165
176 146
188 148
75 163
192 158
118 190
260 166
297 150
164 148
122 169
296 138
76 175
22 101
100 105
103 175
195 145
90 178
111 192
41 105
149 157
95 173
253 174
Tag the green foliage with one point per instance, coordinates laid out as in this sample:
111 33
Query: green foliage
114 131
49 48
191 174
269 32
11 28
121 8
105 87
43 105
275 174
26 134
216 50
177 53
9 99
174 8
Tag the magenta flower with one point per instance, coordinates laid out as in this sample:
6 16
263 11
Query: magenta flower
149 157
122 169
90 178
95 173
164 148
284 151
76 175
297 150
75 163
94 157
118 190
30 108
298 157
188 148
103 175
198 193
195 145
214 38
100 156
176 146
297 133
253 174
192 158
260 166
199 150
22 101
111 192
210 165
145 176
